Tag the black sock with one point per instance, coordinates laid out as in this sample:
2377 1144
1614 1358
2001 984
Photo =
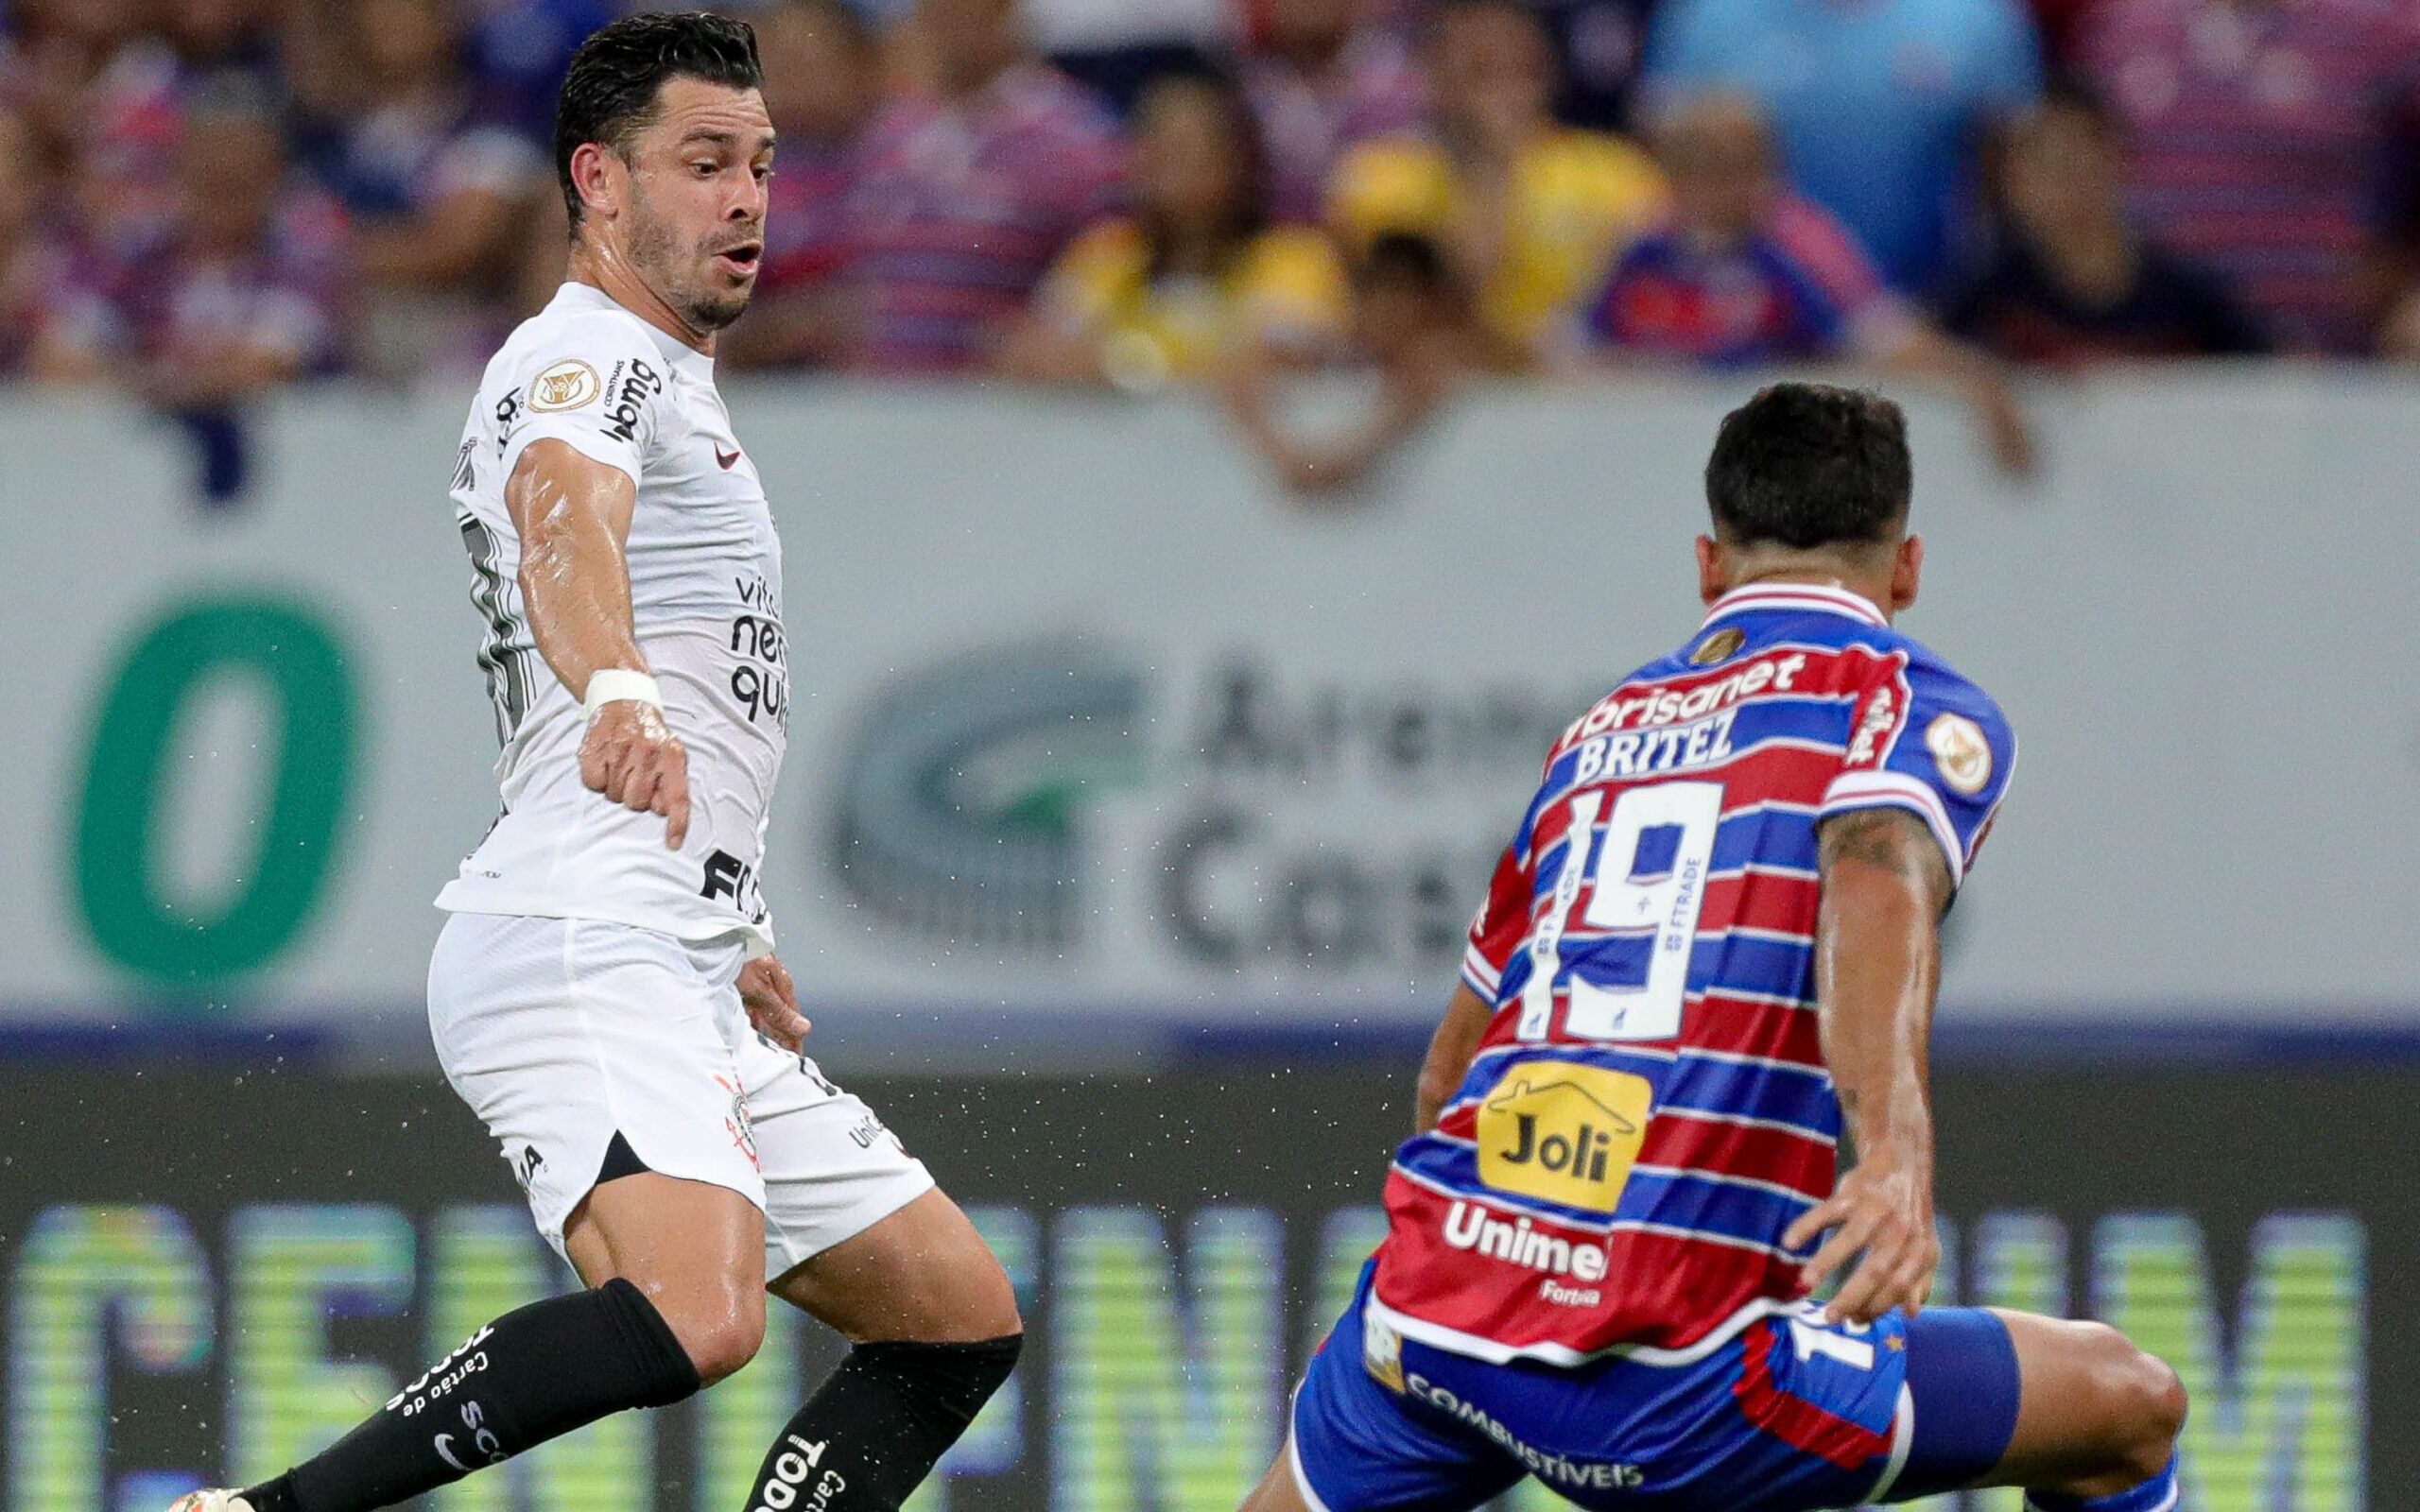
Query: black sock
872 1435
533 1374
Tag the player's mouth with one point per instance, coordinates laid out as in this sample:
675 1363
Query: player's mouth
740 261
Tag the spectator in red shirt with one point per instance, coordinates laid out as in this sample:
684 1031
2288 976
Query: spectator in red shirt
100 95
2072 282
33 263
1325 81
971 192
2259 134
238 298
1742 272
822 82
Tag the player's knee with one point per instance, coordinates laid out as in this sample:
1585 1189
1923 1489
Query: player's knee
720 1348
2160 1408
720 1333
2145 1403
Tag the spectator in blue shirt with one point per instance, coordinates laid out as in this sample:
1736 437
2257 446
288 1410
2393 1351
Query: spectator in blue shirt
1741 272
1879 105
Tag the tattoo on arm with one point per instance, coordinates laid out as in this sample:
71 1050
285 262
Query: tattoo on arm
1892 840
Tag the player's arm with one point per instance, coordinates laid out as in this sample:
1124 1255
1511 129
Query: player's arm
573 516
1450 1050
1877 964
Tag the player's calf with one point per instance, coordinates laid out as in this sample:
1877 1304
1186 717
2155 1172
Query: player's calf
936 1331
533 1374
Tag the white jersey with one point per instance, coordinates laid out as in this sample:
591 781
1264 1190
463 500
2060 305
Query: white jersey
706 603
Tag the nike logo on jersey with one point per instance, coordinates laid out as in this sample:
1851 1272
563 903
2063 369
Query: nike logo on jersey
728 461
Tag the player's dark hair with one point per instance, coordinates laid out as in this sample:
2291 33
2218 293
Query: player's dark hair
1809 465
610 93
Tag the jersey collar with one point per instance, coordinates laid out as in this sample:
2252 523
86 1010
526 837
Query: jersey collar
1800 598
578 296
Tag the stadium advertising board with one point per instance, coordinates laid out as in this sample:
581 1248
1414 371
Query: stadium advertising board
1085 718
212 1297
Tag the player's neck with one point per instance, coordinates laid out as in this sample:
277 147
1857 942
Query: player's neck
1817 576
605 269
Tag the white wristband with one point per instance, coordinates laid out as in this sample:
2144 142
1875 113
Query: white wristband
616 684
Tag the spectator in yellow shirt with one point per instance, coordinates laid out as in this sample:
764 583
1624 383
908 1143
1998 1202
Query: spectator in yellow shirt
1196 272
1529 211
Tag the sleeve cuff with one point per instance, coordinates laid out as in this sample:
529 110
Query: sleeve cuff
619 455
1479 975
1888 790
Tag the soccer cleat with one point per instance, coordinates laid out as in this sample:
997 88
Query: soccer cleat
221 1500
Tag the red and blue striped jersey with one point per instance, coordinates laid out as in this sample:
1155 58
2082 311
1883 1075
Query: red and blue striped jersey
1648 1110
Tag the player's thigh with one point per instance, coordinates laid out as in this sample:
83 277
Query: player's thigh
1356 1442
2093 1407
855 1232
597 1055
1278 1490
921 1273
693 1247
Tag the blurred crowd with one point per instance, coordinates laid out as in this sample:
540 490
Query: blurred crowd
201 198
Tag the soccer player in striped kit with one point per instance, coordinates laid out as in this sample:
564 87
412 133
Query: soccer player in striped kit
1709 951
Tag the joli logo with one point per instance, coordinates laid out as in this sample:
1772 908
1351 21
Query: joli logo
1564 1132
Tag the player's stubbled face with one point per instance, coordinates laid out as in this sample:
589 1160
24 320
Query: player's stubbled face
697 214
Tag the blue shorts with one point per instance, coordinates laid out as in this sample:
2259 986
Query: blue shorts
1789 1415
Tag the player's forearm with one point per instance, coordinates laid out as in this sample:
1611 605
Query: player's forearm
1450 1050
1878 959
1873 982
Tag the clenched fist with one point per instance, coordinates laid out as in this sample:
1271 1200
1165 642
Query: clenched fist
632 757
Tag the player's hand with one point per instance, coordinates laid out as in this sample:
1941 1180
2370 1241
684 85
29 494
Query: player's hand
632 758
1884 1209
772 1001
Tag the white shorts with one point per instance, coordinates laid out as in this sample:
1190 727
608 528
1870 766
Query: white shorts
561 1032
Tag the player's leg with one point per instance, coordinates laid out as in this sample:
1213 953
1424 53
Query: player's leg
1356 1441
1279 1491
694 1248
591 1052
2072 1411
2097 1419
859 1236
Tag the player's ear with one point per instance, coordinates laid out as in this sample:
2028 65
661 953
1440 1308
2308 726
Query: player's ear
1906 570
1713 568
599 173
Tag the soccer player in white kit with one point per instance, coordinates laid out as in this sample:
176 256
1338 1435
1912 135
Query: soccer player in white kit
604 995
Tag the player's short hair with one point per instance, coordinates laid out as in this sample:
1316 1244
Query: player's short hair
1808 465
610 93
